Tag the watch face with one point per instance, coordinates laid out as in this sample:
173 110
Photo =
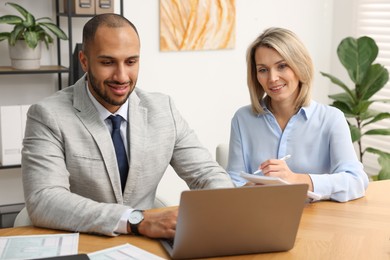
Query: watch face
136 217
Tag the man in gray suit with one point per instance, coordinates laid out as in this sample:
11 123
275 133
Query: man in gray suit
70 171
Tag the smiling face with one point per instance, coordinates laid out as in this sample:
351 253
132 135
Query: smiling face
112 64
277 79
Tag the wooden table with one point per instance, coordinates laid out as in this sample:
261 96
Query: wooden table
358 229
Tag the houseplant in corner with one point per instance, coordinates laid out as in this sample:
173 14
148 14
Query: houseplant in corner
357 57
25 39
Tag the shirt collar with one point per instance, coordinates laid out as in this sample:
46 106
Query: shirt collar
103 112
307 111
263 104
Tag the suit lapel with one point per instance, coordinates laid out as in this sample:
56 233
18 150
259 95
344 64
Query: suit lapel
137 140
90 118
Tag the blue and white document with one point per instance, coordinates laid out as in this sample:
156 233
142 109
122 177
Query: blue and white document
38 246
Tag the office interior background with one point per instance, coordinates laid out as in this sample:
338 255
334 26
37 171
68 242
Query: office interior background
207 86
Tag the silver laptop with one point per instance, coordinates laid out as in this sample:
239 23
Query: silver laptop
231 221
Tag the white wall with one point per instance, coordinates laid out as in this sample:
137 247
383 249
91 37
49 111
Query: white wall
207 86
344 25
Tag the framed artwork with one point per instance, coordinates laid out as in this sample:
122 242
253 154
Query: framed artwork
187 25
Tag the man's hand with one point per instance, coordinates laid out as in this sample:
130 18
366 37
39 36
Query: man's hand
159 223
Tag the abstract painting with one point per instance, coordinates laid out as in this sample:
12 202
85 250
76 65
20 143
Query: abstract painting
197 25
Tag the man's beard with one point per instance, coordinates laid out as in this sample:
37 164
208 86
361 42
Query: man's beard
104 96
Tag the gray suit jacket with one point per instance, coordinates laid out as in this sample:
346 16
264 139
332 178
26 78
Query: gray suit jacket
70 174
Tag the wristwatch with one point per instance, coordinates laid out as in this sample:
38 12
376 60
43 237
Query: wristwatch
135 218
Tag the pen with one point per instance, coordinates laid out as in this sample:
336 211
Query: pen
283 159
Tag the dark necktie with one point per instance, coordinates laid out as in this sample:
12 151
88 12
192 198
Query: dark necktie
120 151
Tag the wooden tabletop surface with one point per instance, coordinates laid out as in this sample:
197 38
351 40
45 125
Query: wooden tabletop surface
358 229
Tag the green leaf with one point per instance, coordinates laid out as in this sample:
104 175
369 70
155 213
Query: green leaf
378 117
16 34
384 162
10 19
361 107
30 21
344 98
378 132
40 31
357 55
31 39
384 173
20 9
43 18
48 38
355 133
370 113
344 108
4 36
376 78
338 82
55 30
46 41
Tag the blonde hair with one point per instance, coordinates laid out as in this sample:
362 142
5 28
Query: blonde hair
287 44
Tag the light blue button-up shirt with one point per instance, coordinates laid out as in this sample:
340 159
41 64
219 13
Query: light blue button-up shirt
318 139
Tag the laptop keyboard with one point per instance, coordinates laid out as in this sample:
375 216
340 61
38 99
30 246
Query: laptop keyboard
170 242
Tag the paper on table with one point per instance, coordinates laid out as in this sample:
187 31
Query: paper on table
125 251
261 179
38 246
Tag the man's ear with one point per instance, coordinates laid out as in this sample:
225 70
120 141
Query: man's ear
83 61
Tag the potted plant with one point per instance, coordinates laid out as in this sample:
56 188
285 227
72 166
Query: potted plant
357 57
27 34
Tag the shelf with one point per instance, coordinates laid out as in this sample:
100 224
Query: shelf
9 166
41 70
75 15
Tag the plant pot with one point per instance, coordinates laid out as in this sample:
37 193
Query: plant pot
23 57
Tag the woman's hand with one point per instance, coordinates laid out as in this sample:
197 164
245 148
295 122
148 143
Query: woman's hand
278 168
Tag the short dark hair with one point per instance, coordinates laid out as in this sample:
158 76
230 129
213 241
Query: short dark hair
108 19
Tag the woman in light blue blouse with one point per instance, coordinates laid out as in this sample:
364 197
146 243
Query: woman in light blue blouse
283 120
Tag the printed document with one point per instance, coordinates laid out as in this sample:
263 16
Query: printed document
261 179
125 252
38 246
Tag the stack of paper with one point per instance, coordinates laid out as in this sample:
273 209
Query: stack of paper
261 179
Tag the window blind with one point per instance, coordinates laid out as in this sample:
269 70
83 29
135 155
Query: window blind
373 20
